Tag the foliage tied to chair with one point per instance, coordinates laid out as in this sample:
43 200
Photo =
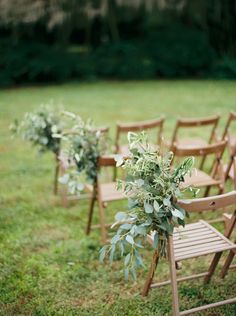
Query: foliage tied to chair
39 127
152 187
84 145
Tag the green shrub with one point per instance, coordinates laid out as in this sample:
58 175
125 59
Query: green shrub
224 68
180 52
123 60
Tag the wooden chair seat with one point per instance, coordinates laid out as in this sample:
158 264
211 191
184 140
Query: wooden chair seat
108 191
198 239
200 179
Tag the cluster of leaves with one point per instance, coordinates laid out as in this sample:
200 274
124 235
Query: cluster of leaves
84 146
152 187
39 128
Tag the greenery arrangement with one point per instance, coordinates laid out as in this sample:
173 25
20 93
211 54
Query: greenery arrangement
39 128
84 145
152 187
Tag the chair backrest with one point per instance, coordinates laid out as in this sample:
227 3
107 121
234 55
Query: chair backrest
209 203
217 149
231 118
211 121
106 161
122 128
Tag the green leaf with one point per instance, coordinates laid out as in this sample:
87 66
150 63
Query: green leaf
177 213
156 206
120 216
129 239
155 240
127 259
102 253
126 272
148 208
115 239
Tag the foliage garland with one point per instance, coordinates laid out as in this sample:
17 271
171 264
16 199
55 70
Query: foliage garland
84 146
39 127
152 187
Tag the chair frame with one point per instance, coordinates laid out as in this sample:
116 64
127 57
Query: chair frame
217 167
191 123
104 161
232 150
197 205
122 128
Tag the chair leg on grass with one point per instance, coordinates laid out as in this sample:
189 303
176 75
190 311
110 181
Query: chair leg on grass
227 264
90 216
212 267
173 277
151 273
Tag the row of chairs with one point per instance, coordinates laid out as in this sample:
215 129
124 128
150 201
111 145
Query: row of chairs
196 239
102 193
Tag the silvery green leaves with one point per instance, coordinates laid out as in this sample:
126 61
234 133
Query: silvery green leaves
84 145
39 128
152 187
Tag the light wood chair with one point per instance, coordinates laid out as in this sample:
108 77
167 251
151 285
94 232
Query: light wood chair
192 241
230 168
200 178
102 193
124 128
187 123
64 163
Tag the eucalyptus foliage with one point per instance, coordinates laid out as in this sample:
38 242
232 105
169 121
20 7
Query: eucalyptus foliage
84 145
39 128
152 187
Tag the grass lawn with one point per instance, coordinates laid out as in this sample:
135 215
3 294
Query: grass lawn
47 264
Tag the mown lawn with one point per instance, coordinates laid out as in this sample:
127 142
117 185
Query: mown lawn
47 264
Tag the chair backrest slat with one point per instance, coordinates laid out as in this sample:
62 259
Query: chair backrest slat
217 149
209 203
193 122
139 126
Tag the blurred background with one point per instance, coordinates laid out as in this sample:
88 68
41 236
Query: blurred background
60 40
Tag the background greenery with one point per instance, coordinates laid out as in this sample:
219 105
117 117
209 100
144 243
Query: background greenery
54 41
47 264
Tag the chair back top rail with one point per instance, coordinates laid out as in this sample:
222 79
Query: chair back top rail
194 122
217 149
142 125
209 203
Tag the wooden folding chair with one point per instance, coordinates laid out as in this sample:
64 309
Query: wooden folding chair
124 128
194 240
230 221
64 163
230 168
186 123
200 178
102 193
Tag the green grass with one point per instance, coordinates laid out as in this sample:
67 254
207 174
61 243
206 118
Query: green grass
47 264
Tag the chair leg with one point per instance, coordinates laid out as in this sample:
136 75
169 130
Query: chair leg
227 264
102 221
173 278
91 208
55 187
207 191
212 267
151 273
